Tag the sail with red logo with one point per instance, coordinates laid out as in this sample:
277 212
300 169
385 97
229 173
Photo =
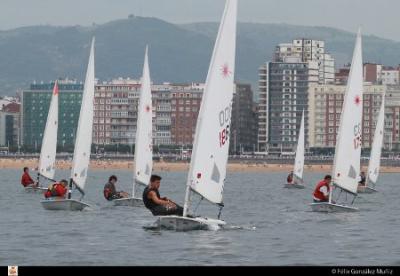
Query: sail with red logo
348 145
211 145
143 159
83 142
346 166
209 159
48 151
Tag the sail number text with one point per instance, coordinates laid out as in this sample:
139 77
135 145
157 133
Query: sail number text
357 136
224 121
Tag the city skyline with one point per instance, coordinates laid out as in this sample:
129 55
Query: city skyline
188 11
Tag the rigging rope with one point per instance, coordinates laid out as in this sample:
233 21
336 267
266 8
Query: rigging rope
198 204
220 210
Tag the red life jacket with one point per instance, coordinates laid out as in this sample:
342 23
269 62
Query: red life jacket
317 193
26 179
57 189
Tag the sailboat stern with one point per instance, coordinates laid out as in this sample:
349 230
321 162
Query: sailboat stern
133 202
63 205
178 223
326 207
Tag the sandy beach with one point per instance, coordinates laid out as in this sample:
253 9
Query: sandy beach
245 166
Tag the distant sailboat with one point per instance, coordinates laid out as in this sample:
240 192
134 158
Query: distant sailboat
375 159
299 160
211 143
83 142
48 151
346 166
144 140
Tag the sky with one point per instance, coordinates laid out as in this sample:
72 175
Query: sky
377 17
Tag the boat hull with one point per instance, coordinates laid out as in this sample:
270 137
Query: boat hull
63 205
294 186
366 190
35 189
133 202
178 223
327 207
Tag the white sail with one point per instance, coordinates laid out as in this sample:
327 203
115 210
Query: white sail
299 160
49 143
211 144
144 130
375 159
83 140
348 147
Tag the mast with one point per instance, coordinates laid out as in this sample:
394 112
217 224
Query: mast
48 149
83 141
143 157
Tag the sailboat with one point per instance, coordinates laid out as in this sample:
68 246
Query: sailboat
299 160
211 143
346 166
375 158
48 151
144 140
81 158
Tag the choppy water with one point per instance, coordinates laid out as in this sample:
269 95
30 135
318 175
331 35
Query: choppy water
269 225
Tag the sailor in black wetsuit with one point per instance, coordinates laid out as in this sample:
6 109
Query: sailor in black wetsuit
362 179
159 206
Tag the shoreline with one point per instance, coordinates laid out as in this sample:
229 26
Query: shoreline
160 166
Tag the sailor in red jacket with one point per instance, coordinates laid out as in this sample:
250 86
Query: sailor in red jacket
57 189
26 179
321 192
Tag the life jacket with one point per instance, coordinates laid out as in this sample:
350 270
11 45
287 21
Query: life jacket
317 193
150 204
26 179
53 190
290 178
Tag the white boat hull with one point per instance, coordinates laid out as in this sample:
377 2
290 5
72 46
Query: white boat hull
63 205
178 223
366 190
327 207
35 189
294 186
134 202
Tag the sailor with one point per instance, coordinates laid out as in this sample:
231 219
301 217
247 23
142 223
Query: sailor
110 192
362 179
26 179
159 206
321 192
290 178
58 189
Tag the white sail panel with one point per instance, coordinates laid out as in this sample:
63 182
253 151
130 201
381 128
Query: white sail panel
49 143
211 144
375 159
299 160
83 142
348 146
144 130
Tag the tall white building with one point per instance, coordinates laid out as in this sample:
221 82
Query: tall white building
308 50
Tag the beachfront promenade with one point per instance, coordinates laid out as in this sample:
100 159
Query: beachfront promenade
249 163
